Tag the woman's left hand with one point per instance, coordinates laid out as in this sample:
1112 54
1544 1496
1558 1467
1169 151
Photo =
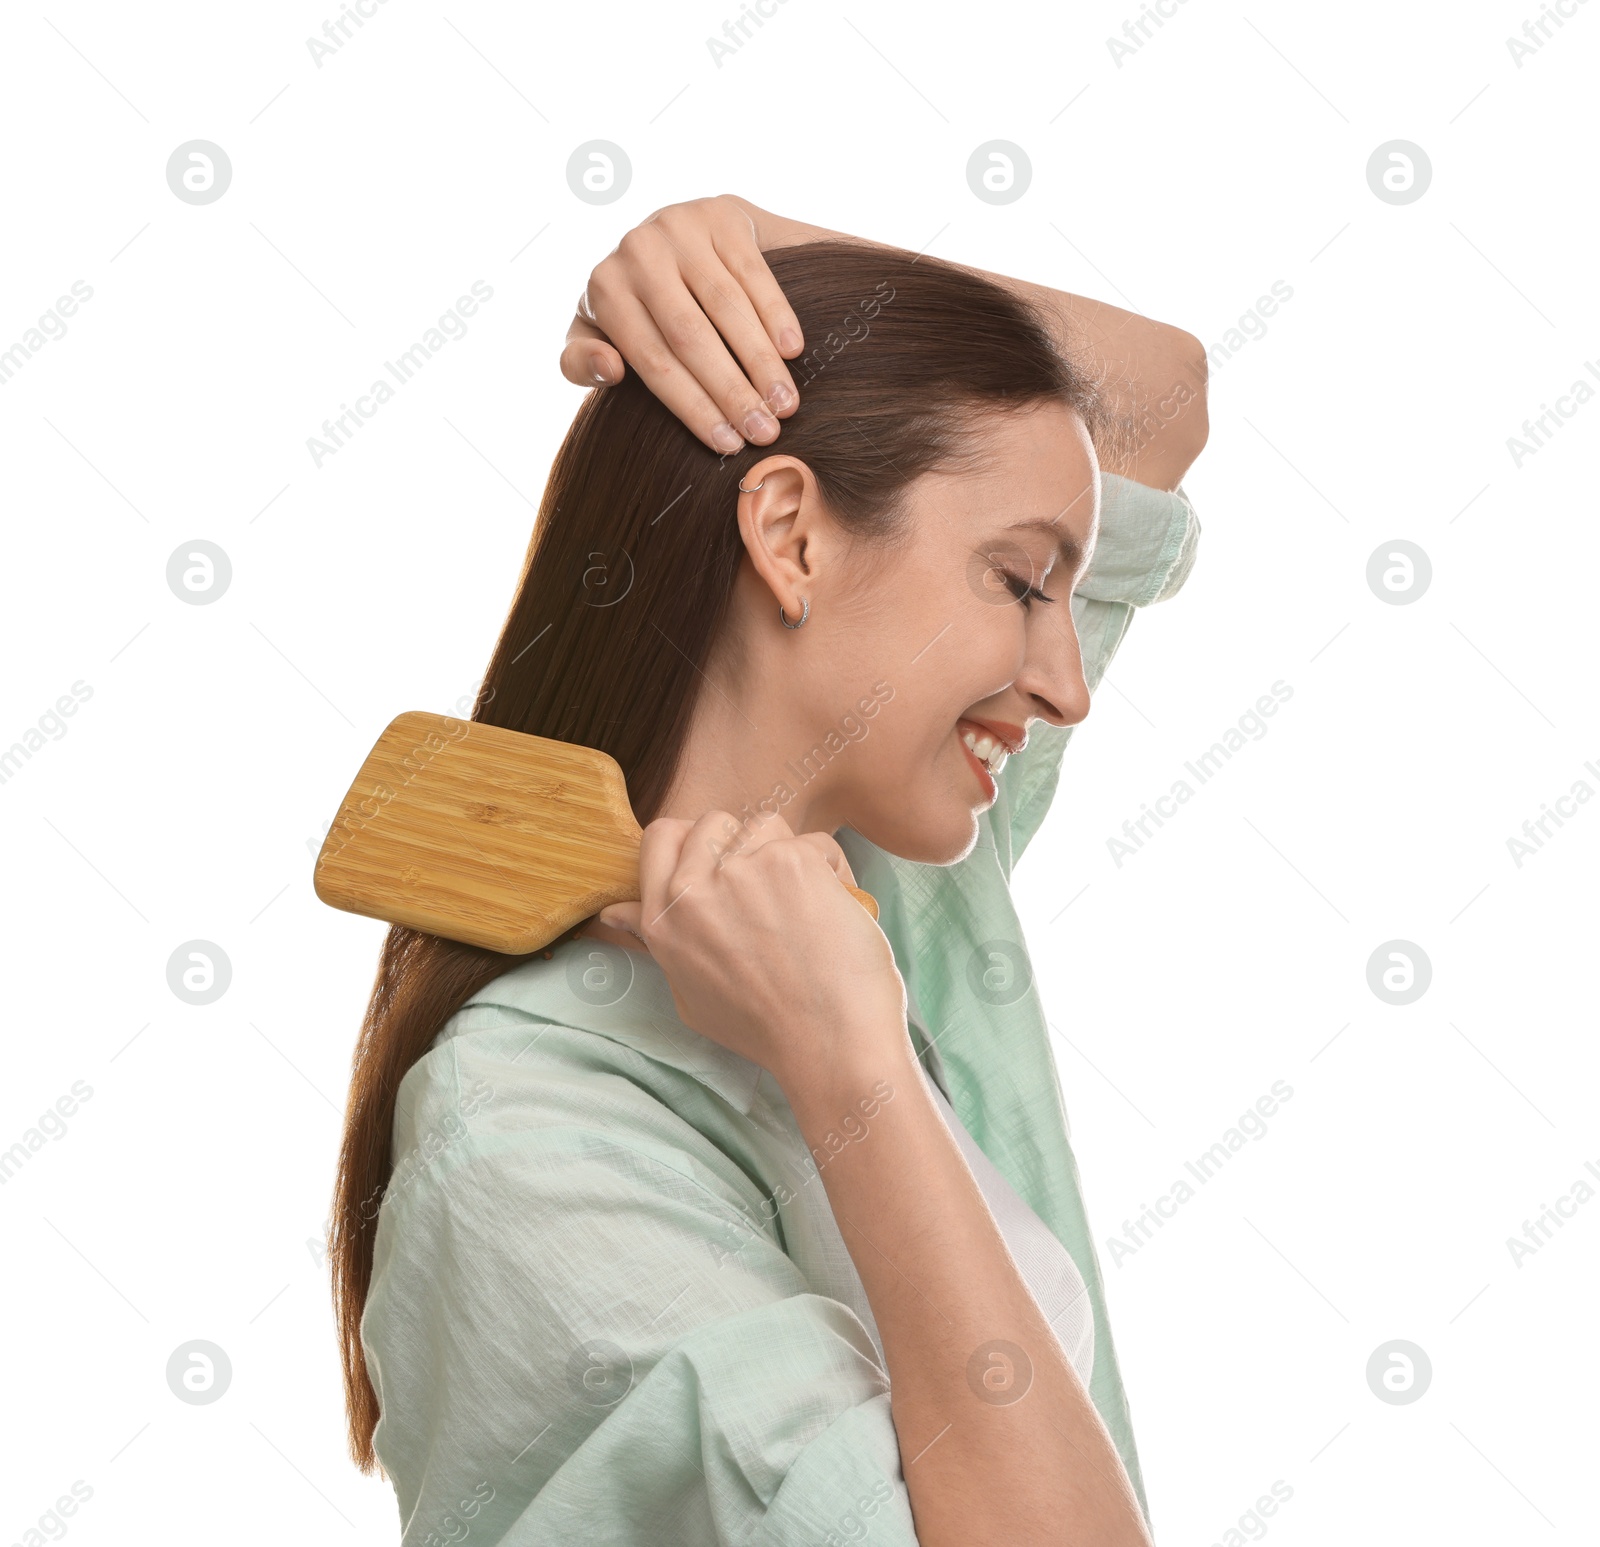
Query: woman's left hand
690 272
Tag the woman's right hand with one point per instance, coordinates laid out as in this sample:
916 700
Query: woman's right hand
766 951
770 956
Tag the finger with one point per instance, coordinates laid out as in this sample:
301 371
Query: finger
828 847
718 838
742 258
589 359
659 849
641 344
734 838
622 915
583 327
726 300
677 303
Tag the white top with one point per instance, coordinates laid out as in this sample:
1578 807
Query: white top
1045 1264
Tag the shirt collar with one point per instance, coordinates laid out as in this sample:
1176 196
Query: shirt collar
622 995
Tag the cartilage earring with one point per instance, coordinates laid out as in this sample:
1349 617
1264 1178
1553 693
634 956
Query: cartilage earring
744 490
805 612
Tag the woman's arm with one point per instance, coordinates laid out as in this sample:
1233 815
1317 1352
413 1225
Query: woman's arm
999 1440
694 271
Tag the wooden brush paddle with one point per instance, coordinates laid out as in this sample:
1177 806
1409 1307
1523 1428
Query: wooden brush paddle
483 835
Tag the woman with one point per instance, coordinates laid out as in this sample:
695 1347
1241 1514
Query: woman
604 1277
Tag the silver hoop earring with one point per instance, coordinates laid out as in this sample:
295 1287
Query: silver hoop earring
744 490
805 612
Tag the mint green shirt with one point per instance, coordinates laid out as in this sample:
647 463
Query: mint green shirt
610 1302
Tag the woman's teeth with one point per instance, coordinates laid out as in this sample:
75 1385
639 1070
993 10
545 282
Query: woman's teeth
991 753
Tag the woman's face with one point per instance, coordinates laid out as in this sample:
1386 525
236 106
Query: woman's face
923 662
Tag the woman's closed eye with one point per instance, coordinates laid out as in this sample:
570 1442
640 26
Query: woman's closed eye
1024 590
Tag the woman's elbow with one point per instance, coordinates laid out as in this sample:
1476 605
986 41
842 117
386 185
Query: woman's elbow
1189 427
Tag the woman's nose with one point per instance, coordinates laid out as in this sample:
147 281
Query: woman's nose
1053 683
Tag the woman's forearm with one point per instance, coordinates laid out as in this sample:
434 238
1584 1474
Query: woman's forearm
995 1448
1152 376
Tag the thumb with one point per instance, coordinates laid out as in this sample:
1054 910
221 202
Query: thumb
624 915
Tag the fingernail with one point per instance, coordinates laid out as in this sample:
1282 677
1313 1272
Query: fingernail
781 396
597 371
788 339
759 426
726 439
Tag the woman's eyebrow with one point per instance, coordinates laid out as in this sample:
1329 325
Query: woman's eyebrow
1070 549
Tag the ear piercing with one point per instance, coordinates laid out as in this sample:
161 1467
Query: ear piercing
744 490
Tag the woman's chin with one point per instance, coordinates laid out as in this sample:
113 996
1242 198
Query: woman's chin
943 836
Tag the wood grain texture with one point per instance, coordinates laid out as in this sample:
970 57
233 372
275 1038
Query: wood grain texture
480 834
487 836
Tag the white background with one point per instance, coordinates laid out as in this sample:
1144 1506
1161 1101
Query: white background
187 1198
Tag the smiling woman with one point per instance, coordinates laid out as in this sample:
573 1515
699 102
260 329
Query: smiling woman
614 1308
949 581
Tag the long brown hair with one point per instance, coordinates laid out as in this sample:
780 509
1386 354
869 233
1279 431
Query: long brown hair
627 578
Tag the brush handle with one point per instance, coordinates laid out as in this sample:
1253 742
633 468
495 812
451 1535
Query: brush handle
866 899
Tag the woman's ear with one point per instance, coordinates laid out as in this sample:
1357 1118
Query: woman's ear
780 515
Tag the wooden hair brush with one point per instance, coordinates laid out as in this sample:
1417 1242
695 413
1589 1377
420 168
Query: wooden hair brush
484 835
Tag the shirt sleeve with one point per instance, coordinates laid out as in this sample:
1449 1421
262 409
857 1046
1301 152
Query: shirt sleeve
583 1327
1144 553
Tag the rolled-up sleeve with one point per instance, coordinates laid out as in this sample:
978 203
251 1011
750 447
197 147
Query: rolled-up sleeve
1146 548
583 1327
